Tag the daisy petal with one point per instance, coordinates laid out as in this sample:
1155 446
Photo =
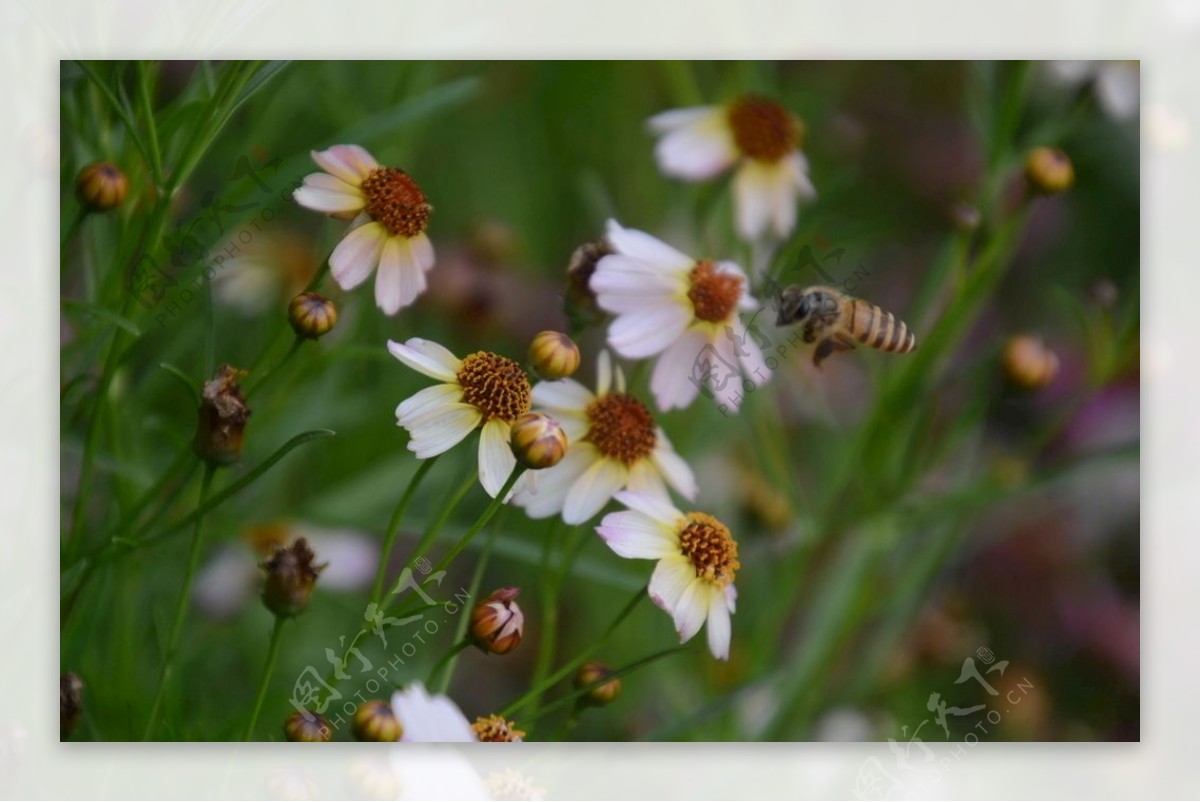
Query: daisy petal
564 394
400 278
719 629
430 719
427 357
672 576
593 490
553 483
644 478
635 536
697 151
429 400
752 195
351 163
603 373
656 507
422 250
666 121
674 469
496 460
641 335
325 193
440 431
639 245
677 374
691 611
357 255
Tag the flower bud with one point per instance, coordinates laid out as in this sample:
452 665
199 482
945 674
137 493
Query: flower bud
601 694
538 441
223 415
554 355
312 316
307 727
70 704
580 302
291 576
1049 170
101 186
1028 362
375 721
497 622
496 729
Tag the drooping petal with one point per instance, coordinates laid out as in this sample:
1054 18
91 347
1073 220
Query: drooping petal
496 460
645 478
674 468
692 609
400 279
427 357
671 119
645 334
752 195
603 373
562 395
672 576
422 250
639 245
431 399
719 629
593 490
659 508
357 255
325 193
730 389
626 284
698 150
636 536
430 719
351 163
553 483
679 373
440 431
749 355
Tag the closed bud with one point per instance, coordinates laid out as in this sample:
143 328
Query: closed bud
1028 362
70 704
312 316
375 721
101 186
223 416
603 693
496 729
538 441
291 575
497 622
554 355
307 727
580 301
1049 170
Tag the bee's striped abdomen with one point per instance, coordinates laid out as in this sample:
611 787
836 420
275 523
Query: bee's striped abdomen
878 329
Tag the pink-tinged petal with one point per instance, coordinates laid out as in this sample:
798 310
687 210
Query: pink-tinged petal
731 598
669 120
562 395
438 432
553 483
431 399
326 193
593 490
427 357
226 582
624 283
640 245
350 557
752 195
674 468
350 163
719 628
637 336
677 377
692 609
400 279
496 460
645 479
357 255
749 355
697 151
637 537
657 507
671 578
422 250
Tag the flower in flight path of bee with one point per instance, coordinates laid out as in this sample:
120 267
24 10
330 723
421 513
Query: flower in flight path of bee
697 563
682 309
389 215
757 135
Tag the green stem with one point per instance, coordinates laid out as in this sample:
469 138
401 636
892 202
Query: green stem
144 90
549 586
443 661
268 670
389 539
488 513
460 634
70 234
181 607
296 344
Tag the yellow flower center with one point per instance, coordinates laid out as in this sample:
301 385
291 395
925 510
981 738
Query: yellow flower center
711 548
496 730
395 200
495 385
621 428
714 295
763 130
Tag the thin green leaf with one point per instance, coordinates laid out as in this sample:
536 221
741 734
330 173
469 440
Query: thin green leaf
104 314
260 79
187 381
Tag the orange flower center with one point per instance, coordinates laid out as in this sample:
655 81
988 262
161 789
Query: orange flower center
763 130
395 200
496 730
621 428
495 385
711 548
713 295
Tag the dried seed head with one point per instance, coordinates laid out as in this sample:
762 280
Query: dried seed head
538 441
70 704
101 186
375 721
603 693
307 726
312 316
554 355
1028 363
223 416
497 622
497 730
1049 171
291 575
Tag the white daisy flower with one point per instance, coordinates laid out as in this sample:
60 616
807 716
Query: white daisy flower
697 561
757 135
483 390
614 443
683 309
1116 84
389 215
430 719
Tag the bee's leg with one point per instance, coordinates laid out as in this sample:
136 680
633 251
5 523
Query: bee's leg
824 349
844 342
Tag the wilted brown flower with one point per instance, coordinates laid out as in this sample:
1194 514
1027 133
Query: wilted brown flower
375 721
307 726
580 302
601 694
291 575
497 622
70 704
223 416
497 730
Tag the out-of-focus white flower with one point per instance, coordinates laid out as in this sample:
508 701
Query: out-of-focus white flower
1117 84
697 562
389 214
683 309
760 137
270 268
484 389
613 443
430 718
231 577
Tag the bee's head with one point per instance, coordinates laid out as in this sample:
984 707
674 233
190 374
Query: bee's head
793 306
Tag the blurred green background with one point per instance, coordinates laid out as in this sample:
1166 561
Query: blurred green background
893 517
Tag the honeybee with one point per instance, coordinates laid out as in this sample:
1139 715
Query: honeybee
836 321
